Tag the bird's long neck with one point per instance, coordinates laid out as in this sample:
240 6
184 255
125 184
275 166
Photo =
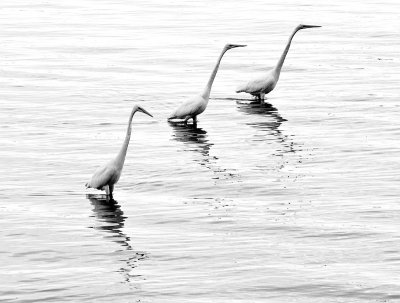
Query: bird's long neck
207 89
279 65
122 153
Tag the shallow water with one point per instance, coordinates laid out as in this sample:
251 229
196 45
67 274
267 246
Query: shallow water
292 201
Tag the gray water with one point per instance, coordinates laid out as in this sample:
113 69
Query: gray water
293 201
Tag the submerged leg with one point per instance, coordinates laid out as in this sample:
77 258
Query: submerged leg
111 190
107 188
262 97
194 120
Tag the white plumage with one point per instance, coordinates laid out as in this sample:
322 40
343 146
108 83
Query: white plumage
191 108
197 104
261 86
105 177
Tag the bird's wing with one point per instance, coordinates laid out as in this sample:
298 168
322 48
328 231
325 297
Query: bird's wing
193 106
101 177
253 86
257 85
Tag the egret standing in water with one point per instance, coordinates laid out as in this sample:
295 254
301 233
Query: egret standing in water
263 85
197 104
105 177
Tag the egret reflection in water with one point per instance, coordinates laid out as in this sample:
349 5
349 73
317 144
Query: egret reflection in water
196 139
110 219
268 123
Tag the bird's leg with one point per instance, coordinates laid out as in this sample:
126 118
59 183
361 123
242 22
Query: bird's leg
262 97
111 188
194 121
186 119
107 188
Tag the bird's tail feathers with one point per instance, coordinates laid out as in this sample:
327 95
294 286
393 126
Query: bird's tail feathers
241 88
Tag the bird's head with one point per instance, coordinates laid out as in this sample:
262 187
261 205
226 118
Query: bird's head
137 108
303 26
229 45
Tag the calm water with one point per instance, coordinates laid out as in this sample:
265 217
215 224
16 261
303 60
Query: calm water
295 201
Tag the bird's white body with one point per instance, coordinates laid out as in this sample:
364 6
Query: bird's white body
193 107
105 177
261 86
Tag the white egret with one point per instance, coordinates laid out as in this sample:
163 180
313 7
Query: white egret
197 104
263 85
106 176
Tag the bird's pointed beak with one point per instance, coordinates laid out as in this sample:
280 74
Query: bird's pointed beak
144 111
239 45
311 26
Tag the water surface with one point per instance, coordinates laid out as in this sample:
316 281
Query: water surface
292 201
